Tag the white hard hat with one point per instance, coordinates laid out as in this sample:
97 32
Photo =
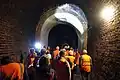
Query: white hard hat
57 48
71 53
63 50
84 51
66 47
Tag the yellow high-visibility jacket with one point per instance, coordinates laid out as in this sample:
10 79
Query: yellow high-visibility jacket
86 63
72 59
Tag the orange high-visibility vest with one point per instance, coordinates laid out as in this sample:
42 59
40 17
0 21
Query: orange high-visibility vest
13 70
55 53
77 57
86 63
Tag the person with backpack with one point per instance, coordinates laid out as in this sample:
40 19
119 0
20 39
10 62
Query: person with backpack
44 70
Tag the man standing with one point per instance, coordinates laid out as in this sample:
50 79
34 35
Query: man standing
85 65
11 69
62 67
56 53
31 57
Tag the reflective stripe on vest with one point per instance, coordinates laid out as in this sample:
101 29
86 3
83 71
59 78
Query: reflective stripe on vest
86 60
86 63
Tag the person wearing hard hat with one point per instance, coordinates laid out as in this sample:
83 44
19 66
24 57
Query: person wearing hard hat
44 70
71 60
56 52
77 57
67 50
62 67
71 52
85 63
70 57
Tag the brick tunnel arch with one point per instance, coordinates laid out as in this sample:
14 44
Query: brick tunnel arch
67 13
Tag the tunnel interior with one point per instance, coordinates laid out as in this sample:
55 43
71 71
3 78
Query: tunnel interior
61 34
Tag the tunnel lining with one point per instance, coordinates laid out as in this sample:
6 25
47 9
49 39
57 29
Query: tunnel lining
51 21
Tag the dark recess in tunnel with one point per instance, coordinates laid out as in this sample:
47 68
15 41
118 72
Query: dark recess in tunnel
61 34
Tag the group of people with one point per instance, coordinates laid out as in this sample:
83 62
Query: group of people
60 64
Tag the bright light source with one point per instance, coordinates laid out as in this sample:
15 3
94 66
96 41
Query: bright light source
107 13
37 45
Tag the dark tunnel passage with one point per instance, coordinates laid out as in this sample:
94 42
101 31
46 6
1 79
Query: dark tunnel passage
61 34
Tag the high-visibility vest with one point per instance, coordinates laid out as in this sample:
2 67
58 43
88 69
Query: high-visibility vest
13 71
72 59
86 63
77 56
55 53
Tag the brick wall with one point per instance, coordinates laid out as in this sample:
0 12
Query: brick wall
10 36
103 37
106 44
